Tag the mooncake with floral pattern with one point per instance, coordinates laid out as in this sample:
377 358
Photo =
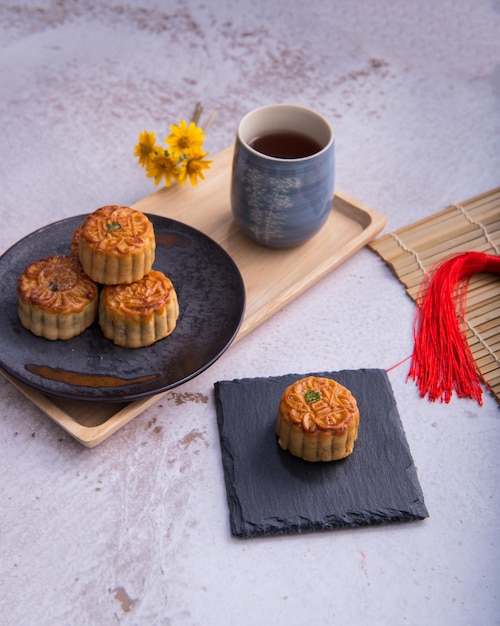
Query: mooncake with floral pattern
317 419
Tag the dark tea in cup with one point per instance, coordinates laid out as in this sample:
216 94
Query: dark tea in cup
286 144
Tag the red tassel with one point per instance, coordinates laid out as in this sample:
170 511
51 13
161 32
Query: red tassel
442 360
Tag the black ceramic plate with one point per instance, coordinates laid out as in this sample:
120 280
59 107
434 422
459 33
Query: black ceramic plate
271 492
211 298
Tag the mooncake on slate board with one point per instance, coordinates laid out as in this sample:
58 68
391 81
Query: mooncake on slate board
271 492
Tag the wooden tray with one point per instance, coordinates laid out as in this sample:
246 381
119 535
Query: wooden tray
272 278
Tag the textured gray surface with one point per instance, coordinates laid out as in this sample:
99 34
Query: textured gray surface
136 530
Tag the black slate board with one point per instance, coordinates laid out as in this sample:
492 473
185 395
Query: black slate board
270 492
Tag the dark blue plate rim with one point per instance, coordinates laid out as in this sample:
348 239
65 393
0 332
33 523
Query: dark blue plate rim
212 302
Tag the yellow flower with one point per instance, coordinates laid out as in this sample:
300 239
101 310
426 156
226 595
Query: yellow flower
144 150
180 158
185 139
193 167
160 165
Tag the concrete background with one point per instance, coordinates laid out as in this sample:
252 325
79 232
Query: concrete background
136 531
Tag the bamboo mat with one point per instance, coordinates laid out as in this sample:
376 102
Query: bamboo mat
470 226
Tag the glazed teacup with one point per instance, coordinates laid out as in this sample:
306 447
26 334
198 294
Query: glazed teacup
283 174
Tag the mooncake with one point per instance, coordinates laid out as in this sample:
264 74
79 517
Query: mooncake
140 313
317 420
116 245
56 299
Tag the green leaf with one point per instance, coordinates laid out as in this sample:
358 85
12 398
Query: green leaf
312 396
112 226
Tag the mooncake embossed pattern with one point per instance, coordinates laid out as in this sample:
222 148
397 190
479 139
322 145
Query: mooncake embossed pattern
317 419
140 313
56 299
117 245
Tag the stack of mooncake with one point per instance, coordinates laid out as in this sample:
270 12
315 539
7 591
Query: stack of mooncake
113 252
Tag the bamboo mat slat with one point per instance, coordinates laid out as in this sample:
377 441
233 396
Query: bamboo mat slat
470 226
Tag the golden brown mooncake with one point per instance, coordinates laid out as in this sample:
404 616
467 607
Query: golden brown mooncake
116 245
56 299
317 420
140 313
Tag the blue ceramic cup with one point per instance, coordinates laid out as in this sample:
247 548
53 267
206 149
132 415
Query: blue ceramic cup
283 174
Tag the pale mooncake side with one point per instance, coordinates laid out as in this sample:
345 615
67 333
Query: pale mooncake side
56 299
140 313
317 420
75 243
116 245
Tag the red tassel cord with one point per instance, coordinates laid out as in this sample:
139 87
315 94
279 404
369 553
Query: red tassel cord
442 360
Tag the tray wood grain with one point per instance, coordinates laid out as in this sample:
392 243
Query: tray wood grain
272 278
